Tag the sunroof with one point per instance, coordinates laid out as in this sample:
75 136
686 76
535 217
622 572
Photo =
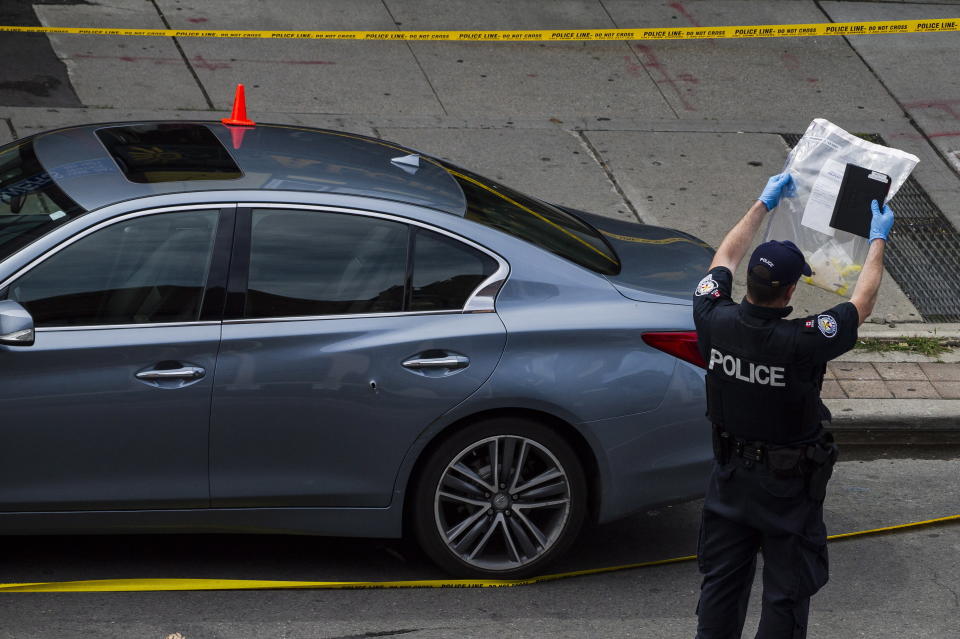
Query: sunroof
172 152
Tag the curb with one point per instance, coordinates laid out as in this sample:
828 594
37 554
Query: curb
900 421
885 331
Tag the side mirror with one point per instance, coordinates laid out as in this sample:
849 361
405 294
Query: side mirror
16 325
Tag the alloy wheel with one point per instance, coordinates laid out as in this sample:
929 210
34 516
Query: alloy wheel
502 502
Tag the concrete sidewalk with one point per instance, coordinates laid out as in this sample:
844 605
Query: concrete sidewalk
893 396
896 396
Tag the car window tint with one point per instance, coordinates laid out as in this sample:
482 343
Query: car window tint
446 272
317 263
537 222
31 204
143 270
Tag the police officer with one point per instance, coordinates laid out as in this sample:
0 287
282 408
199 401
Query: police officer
773 458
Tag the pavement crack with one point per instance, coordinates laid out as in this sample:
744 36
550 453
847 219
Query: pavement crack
636 56
946 586
13 131
383 633
417 60
595 155
186 61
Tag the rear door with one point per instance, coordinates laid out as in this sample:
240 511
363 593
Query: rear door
109 408
349 336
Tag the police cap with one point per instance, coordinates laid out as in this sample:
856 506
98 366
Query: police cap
777 264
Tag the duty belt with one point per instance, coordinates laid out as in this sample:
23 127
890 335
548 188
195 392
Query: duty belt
753 451
813 460
725 445
785 460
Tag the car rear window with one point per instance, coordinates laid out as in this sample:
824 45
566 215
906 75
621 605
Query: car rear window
149 153
31 204
537 222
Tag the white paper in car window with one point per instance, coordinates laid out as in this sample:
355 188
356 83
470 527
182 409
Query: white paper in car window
823 197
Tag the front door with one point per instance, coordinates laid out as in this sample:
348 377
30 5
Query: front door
351 340
109 409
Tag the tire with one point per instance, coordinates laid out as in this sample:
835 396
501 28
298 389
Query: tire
472 527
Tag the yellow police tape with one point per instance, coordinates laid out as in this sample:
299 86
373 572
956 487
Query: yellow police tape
151 585
646 240
541 35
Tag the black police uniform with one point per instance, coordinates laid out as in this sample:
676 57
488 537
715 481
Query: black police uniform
766 491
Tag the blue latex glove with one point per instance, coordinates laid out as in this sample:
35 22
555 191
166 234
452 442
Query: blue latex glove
777 186
882 221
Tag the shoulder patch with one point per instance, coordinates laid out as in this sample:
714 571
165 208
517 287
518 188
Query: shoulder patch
706 286
827 325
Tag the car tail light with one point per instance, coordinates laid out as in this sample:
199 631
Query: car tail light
682 344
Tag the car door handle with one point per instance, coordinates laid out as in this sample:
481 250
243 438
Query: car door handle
448 361
158 374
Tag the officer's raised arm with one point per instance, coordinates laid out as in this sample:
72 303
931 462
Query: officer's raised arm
865 295
734 245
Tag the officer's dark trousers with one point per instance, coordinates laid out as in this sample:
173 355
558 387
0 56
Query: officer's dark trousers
748 510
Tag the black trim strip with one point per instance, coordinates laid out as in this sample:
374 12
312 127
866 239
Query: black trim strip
239 266
215 294
412 232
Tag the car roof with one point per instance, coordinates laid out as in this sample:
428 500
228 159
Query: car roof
270 157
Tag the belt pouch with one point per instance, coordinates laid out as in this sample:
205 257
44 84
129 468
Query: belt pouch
784 462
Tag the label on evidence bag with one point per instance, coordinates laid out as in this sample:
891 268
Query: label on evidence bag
823 198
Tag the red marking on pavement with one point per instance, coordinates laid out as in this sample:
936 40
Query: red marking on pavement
682 10
951 108
651 61
198 20
795 66
531 75
198 60
633 68
208 65
128 58
917 136
947 106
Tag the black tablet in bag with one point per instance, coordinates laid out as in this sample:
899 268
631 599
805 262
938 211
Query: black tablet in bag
860 186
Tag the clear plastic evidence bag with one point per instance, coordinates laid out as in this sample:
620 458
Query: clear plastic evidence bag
817 165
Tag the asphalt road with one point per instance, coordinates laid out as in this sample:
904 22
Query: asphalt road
893 585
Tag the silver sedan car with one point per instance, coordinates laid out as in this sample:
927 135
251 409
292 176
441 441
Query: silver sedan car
211 328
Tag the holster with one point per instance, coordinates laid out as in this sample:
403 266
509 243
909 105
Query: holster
722 445
820 458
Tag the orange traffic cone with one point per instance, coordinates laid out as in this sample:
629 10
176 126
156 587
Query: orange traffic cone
239 115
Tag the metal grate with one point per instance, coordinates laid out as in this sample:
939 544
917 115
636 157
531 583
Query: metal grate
923 254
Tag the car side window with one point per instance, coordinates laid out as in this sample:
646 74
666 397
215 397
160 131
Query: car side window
147 269
309 263
445 272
